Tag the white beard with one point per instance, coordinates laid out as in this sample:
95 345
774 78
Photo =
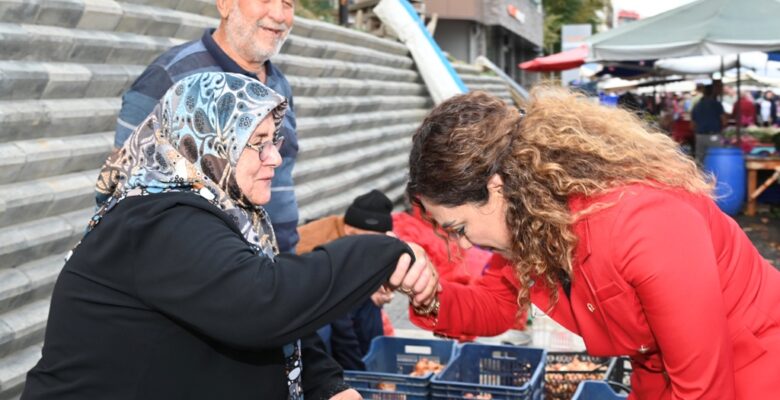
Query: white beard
239 34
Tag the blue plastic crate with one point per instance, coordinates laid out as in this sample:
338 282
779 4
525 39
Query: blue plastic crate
596 390
386 394
389 362
492 371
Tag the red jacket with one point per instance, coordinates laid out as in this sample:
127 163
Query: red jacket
662 276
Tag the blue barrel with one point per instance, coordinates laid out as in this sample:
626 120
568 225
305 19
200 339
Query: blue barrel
728 166
609 100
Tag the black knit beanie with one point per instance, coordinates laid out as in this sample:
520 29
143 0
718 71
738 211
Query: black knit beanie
370 212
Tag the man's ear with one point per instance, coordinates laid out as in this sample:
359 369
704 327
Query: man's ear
224 7
495 184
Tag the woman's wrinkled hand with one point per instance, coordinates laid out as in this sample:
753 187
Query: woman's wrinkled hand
419 281
349 394
382 296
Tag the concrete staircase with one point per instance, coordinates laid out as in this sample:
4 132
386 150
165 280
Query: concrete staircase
63 67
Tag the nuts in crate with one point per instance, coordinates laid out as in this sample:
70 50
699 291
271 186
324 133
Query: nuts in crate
388 388
478 396
565 371
425 366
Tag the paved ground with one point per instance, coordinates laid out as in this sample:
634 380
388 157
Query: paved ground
764 231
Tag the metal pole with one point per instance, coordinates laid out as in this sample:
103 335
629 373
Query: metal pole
343 12
722 75
738 112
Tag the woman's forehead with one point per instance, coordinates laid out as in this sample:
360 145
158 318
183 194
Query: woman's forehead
438 212
266 127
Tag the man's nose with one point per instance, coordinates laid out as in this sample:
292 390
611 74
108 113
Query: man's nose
276 11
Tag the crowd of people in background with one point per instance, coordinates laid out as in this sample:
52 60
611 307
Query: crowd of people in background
697 124
755 107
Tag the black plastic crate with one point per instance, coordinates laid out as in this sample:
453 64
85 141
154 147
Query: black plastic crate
492 372
561 385
389 363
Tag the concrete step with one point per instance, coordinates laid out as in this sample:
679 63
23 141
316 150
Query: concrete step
304 86
476 78
13 370
39 158
326 196
159 21
333 33
311 127
29 119
67 24
317 190
339 145
36 79
487 83
23 326
499 90
18 10
205 8
25 201
107 15
58 44
341 105
294 65
64 13
489 87
169 18
467 69
33 240
24 80
393 185
313 169
29 282
319 49
481 79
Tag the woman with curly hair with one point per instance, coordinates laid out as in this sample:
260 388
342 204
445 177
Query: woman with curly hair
610 229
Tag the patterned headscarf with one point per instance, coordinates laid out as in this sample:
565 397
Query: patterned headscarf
191 142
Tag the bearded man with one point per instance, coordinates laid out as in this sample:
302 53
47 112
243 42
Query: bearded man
249 34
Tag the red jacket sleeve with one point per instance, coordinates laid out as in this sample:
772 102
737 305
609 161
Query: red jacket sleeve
663 248
486 308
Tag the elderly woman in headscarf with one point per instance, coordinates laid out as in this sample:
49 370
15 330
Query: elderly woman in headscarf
177 290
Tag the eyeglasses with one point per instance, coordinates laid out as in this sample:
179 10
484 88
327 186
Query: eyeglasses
264 149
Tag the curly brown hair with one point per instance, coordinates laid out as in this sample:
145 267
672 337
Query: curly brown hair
565 145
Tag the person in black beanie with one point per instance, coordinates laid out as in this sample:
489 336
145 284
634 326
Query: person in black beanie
351 335
370 212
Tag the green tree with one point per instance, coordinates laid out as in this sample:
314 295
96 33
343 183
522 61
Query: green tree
315 9
562 12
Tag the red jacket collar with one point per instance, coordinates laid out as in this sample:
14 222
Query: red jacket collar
580 228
